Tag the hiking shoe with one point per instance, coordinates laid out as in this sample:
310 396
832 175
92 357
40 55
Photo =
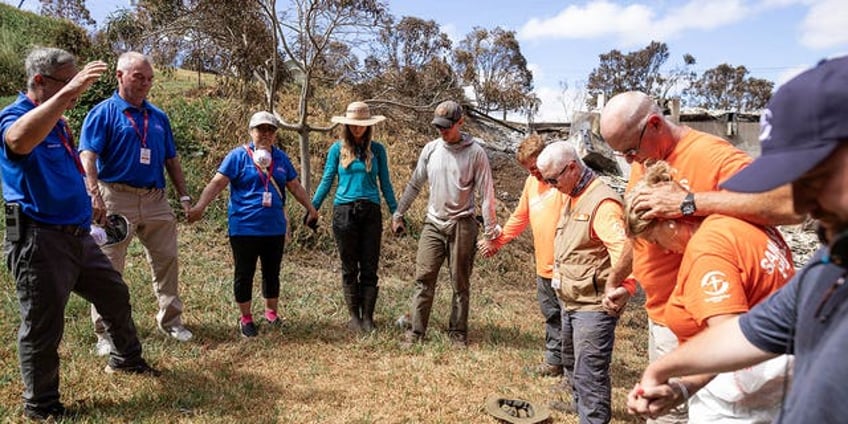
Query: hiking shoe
177 332
546 370
56 411
410 338
248 329
140 368
459 340
103 347
277 322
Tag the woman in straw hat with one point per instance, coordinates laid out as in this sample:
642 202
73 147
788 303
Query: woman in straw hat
362 168
257 173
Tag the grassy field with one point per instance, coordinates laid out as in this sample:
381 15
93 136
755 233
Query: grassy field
312 370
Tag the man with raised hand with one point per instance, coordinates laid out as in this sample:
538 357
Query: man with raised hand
48 247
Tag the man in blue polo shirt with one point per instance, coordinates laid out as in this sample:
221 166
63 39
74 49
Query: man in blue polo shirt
125 146
48 247
804 134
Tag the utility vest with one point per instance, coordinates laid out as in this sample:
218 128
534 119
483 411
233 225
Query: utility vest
581 260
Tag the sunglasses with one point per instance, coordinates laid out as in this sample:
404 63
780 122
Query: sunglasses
555 180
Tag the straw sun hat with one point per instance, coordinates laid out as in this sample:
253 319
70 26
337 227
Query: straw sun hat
358 113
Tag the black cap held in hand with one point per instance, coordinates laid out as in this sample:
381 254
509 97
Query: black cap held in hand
311 223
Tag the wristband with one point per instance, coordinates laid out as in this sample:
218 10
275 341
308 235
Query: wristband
185 198
676 382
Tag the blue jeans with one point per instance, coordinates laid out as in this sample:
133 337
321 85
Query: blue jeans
552 311
587 342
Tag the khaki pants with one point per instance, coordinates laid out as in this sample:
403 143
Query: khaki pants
457 243
152 220
661 341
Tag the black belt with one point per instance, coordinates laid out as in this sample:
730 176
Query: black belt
74 230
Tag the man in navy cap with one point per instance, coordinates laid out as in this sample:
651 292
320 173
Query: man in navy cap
804 134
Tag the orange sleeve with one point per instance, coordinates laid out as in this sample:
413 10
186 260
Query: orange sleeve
711 275
519 219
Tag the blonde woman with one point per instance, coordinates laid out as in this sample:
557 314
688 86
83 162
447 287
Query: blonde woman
728 266
362 168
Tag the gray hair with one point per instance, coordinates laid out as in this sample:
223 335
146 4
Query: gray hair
126 60
45 61
556 155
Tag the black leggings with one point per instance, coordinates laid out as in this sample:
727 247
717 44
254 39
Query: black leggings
246 249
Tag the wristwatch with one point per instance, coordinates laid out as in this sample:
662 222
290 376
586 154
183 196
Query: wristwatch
185 199
688 206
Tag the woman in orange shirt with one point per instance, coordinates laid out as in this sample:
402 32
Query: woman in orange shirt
728 266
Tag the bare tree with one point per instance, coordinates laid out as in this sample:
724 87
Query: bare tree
408 66
72 10
491 61
307 31
639 70
572 97
728 87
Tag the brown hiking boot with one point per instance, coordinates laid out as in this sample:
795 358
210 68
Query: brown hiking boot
546 370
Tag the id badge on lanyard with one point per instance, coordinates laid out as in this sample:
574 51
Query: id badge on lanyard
144 156
266 199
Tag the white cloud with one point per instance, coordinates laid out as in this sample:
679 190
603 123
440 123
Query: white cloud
637 24
825 25
596 18
452 33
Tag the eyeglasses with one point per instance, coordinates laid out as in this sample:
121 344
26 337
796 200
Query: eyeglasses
555 180
63 81
631 153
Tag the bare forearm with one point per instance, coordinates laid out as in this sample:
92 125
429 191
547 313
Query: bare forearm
89 163
769 208
299 193
717 349
34 126
175 172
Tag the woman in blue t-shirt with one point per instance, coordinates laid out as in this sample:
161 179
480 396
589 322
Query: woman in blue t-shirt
256 211
359 163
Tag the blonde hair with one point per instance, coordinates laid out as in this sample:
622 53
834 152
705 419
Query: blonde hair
348 153
530 147
656 173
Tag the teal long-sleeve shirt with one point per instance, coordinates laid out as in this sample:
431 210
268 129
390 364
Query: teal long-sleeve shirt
355 182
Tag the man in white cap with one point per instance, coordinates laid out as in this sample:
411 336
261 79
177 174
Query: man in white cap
804 133
456 167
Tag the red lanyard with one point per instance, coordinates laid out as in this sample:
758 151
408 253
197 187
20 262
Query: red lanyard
141 135
262 176
67 139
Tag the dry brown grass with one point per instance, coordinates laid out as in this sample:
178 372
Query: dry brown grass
313 370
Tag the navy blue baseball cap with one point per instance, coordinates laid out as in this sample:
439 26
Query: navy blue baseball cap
803 123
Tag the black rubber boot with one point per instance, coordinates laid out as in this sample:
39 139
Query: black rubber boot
353 302
369 300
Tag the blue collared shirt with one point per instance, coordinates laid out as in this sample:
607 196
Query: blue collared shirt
117 140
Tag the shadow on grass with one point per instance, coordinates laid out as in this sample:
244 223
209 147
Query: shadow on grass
223 393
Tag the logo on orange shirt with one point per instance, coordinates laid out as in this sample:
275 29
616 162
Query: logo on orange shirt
715 286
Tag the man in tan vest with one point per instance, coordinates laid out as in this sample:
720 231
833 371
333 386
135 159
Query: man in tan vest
591 252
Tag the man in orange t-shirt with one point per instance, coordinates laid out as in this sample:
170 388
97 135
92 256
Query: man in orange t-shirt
633 125
540 207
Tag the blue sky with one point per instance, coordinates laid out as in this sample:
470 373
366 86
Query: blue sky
774 39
